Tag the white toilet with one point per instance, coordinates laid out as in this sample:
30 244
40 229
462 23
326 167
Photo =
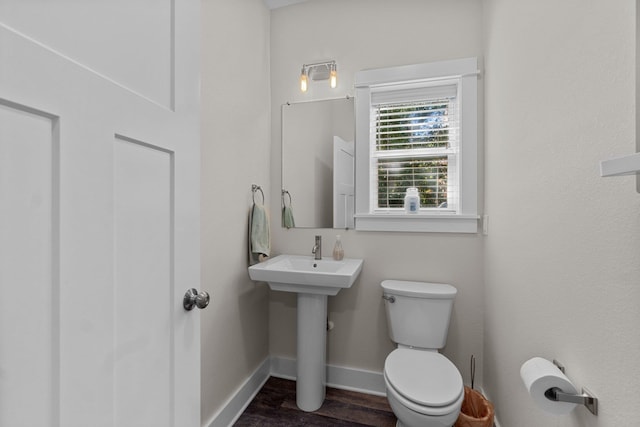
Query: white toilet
424 388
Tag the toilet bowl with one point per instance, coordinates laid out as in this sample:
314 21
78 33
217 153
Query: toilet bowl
424 388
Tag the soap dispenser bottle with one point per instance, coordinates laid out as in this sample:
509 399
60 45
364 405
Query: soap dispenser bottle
338 252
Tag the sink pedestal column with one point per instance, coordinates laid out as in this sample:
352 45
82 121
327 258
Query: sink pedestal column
312 351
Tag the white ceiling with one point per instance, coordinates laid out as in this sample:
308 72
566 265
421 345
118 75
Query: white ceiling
274 4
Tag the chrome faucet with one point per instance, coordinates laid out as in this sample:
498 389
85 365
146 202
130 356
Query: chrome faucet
317 248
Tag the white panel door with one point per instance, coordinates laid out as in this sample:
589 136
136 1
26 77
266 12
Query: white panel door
99 213
343 183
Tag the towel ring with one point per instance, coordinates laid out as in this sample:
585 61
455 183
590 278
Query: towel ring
283 199
255 188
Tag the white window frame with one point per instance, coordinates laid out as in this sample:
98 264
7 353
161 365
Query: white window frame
465 218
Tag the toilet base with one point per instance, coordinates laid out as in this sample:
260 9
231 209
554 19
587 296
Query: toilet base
399 424
410 418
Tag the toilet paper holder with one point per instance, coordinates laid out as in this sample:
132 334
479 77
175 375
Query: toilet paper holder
586 398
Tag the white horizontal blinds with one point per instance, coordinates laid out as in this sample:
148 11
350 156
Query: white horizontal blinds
415 139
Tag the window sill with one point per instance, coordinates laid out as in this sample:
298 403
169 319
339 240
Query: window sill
420 223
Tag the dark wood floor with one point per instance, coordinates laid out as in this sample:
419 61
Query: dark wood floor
275 405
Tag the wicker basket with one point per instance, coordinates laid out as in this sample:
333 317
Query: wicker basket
476 411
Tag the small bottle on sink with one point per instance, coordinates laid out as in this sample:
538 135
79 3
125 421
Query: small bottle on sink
338 252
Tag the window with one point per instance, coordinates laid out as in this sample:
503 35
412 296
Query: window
414 143
416 126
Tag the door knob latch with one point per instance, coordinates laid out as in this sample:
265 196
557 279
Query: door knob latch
193 298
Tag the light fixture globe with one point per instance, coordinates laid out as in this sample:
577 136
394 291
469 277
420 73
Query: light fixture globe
333 76
304 79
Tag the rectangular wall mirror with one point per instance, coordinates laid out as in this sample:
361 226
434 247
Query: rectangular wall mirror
318 163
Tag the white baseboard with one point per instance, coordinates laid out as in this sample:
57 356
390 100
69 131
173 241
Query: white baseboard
236 404
341 377
283 367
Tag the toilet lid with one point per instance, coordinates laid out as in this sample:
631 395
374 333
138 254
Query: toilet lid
424 377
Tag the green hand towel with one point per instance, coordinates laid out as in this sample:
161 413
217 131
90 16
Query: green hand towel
260 235
287 217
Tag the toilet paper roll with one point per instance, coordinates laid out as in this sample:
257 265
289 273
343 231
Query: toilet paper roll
539 375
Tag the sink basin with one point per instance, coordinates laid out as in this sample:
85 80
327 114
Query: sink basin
299 273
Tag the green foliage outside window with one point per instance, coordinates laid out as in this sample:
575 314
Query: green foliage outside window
413 126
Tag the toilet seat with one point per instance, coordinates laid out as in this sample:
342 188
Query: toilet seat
427 381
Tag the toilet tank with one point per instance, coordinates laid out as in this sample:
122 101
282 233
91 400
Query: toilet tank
418 313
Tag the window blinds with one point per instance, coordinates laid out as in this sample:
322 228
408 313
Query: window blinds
414 143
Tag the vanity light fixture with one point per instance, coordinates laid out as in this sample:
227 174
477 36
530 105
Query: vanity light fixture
319 71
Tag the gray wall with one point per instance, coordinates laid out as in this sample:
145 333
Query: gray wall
563 250
558 274
235 154
362 34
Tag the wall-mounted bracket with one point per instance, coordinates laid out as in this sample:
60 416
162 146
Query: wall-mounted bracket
559 365
626 165
586 398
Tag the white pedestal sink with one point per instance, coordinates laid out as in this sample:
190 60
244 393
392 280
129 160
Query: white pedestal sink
313 280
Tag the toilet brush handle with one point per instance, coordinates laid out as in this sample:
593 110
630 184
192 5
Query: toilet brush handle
473 370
